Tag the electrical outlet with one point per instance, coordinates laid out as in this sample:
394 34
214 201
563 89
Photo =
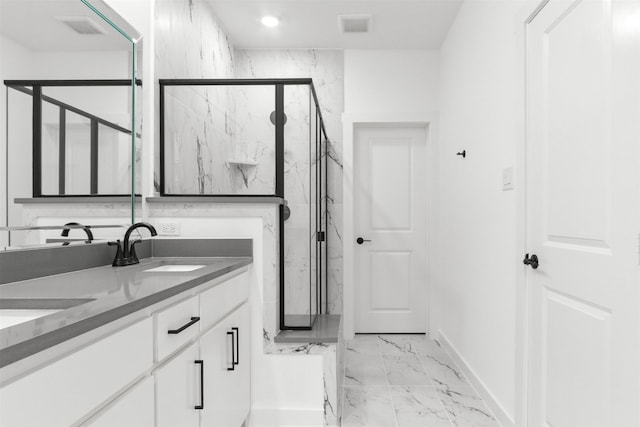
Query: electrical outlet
168 229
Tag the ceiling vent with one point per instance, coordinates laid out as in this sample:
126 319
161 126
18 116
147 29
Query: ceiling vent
81 24
355 23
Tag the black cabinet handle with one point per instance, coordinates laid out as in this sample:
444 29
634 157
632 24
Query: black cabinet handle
233 351
183 327
201 363
237 360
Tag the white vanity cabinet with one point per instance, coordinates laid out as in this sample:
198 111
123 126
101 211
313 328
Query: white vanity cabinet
208 382
225 352
185 365
133 409
64 391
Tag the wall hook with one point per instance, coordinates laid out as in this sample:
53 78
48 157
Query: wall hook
462 153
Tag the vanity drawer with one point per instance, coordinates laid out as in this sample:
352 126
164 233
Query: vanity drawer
175 326
62 392
217 302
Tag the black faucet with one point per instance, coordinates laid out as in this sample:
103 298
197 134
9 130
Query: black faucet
65 231
126 255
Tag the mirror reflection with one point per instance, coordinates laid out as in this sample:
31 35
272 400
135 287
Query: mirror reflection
66 119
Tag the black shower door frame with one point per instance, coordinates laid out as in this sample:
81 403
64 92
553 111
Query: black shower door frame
320 145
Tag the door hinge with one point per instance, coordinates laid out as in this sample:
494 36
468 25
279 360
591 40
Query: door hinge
321 236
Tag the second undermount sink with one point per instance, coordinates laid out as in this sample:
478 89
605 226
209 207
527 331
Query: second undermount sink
19 310
168 268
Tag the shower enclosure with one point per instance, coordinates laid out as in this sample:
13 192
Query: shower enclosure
259 139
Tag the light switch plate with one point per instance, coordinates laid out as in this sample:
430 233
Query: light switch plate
507 178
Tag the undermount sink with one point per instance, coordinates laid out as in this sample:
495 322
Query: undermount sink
14 311
169 268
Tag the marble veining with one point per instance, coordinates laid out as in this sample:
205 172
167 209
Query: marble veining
206 127
326 69
407 381
465 408
419 406
331 371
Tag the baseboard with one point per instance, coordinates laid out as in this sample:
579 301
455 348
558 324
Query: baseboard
285 418
498 410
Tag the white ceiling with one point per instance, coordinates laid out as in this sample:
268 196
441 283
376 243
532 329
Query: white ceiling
33 24
397 24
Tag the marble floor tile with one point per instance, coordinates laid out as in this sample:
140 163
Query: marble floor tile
364 344
406 380
368 407
418 406
465 408
418 345
395 344
442 370
364 369
425 346
405 370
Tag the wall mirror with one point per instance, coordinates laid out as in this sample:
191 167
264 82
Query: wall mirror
68 117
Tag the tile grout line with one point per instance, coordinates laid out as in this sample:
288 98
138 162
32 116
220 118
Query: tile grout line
386 377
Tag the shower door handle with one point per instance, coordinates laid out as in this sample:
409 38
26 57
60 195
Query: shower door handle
360 240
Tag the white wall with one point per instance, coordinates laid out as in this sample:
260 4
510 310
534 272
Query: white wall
390 80
15 60
473 287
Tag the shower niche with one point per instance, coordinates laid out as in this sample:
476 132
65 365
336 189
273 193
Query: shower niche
262 139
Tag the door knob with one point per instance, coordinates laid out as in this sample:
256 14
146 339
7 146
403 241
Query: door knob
533 261
360 240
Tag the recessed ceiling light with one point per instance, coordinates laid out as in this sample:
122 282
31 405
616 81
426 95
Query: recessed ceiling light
270 21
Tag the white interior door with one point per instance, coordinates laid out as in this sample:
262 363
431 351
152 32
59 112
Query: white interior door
583 216
390 215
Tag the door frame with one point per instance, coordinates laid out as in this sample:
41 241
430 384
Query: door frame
528 12
350 121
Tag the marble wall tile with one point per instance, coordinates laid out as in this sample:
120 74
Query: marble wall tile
190 23
206 128
326 68
331 373
334 291
330 380
198 137
341 363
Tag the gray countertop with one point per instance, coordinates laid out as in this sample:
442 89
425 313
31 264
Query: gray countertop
114 293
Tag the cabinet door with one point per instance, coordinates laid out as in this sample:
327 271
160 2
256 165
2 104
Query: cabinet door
226 389
242 397
133 409
178 390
